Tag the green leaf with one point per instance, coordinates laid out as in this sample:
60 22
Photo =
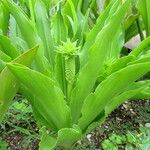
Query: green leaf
91 36
144 94
130 20
115 66
85 5
70 15
106 2
89 73
13 29
59 28
31 8
48 4
30 96
144 6
47 142
43 27
48 99
60 72
9 83
132 23
141 60
66 138
7 47
26 26
29 34
131 32
59 31
4 57
144 46
115 84
131 91
4 17
2 65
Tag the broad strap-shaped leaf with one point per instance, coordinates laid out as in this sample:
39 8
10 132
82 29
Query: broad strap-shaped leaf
4 57
83 25
115 66
86 5
131 32
144 6
121 63
144 94
4 19
43 27
9 84
47 142
116 47
14 35
59 32
31 8
2 65
68 8
30 96
48 4
70 16
66 138
106 3
58 28
144 46
7 47
48 98
26 26
132 24
108 89
133 90
91 36
20 44
13 29
97 56
141 60
29 34
60 74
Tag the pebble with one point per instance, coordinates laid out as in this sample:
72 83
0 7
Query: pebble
89 137
147 125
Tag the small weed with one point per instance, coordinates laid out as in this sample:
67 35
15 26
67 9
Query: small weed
19 121
3 145
131 140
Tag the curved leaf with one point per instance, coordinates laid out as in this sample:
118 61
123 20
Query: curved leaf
7 47
4 19
43 27
144 6
97 56
9 83
115 84
91 36
66 138
48 98
128 94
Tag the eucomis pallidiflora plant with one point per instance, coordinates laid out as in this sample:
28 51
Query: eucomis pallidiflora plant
74 74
